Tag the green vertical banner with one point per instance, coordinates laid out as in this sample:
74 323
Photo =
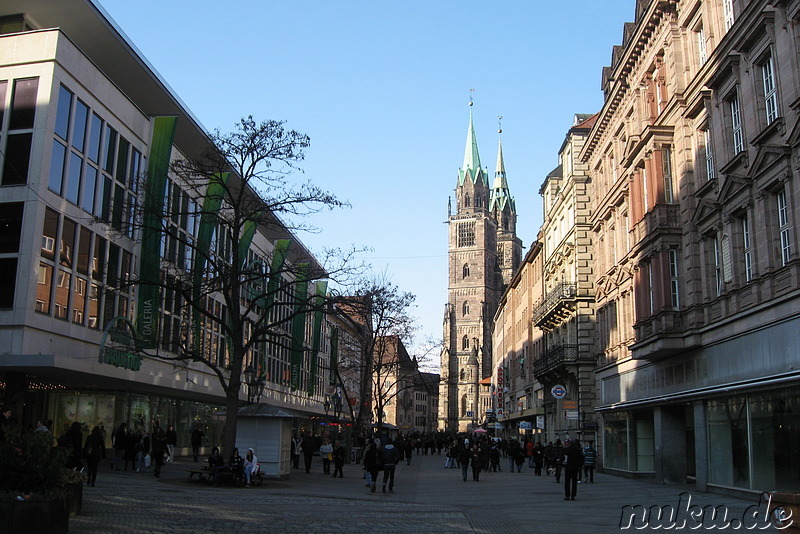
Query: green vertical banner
148 305
334 355
245 240
205 232
322 289
279 254
299 325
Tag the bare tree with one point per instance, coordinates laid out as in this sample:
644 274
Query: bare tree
230 299
386 370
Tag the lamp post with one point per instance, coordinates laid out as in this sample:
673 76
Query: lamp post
327 407
255 386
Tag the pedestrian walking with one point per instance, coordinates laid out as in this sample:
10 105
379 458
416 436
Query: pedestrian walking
159 451
196 439
477 462
120 442
172 440
494 458
308 451
94 450
339 454
573 461
372 463
297 449
326 451
464 457
538 459
389 458
589 459
558 459
143 458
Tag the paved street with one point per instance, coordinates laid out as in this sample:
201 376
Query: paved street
427 498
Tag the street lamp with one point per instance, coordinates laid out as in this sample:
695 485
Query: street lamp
255 386
337 406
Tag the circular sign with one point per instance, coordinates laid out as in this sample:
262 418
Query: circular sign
558 391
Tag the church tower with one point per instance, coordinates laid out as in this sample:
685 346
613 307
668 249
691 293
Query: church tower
483 253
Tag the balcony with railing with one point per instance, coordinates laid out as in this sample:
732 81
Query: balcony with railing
557 305
555 358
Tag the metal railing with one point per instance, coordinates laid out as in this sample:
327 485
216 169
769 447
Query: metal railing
561 292
554 357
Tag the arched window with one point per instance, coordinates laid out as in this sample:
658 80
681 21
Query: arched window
466 270
463 406
465 308
465 343
463 375
466 200
478 201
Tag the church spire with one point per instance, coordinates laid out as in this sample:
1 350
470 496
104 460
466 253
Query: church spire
472 161
500 195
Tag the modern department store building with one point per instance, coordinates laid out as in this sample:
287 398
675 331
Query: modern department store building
79 111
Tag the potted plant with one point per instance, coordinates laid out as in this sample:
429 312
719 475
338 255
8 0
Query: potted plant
35 485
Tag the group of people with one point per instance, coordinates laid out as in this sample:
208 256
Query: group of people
240 468
309 444
142 449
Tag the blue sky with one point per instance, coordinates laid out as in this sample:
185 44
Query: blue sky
382 88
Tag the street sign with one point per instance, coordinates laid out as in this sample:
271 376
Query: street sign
572 414
558 391
470 413
569 404
540 422
525 425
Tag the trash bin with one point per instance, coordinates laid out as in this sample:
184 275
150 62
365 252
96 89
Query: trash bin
784 511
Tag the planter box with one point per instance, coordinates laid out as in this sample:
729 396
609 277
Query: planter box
74 499
34 517
785 511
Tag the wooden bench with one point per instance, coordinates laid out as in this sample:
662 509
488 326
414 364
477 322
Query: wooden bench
203 475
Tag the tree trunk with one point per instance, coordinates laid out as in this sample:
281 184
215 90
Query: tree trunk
231 418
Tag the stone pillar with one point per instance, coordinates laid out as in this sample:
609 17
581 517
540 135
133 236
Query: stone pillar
670 444
700 446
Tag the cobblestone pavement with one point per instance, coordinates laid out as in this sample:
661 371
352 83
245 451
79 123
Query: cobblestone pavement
427 498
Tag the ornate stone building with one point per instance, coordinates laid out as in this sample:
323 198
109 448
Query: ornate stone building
484 252
694 161
565 312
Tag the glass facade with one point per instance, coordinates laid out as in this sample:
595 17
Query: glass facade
754 440
629 441
139 411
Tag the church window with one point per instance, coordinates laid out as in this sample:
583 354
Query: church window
466 234
478 201
465 270
463 375
465 308
467 201
465 343
463 406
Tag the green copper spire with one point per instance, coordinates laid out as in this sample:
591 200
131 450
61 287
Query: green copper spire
500 195
472 161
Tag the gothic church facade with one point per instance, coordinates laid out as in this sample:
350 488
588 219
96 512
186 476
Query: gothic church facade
483 253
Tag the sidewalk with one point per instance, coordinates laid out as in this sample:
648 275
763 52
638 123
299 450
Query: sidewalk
426 498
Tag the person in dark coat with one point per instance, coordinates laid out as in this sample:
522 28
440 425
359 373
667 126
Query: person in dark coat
573 461
308 446
172 440
94 450
372 463
464 458
389 457
339 454
477 462
159 450
120 442
131 443
196 439
72 441
538 459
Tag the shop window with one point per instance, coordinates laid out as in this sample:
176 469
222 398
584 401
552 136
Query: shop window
728 453
8 282
10 227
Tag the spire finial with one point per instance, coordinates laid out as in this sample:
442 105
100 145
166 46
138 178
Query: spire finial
499 124
470 96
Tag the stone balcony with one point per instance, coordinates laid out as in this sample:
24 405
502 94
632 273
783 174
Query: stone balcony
557 306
